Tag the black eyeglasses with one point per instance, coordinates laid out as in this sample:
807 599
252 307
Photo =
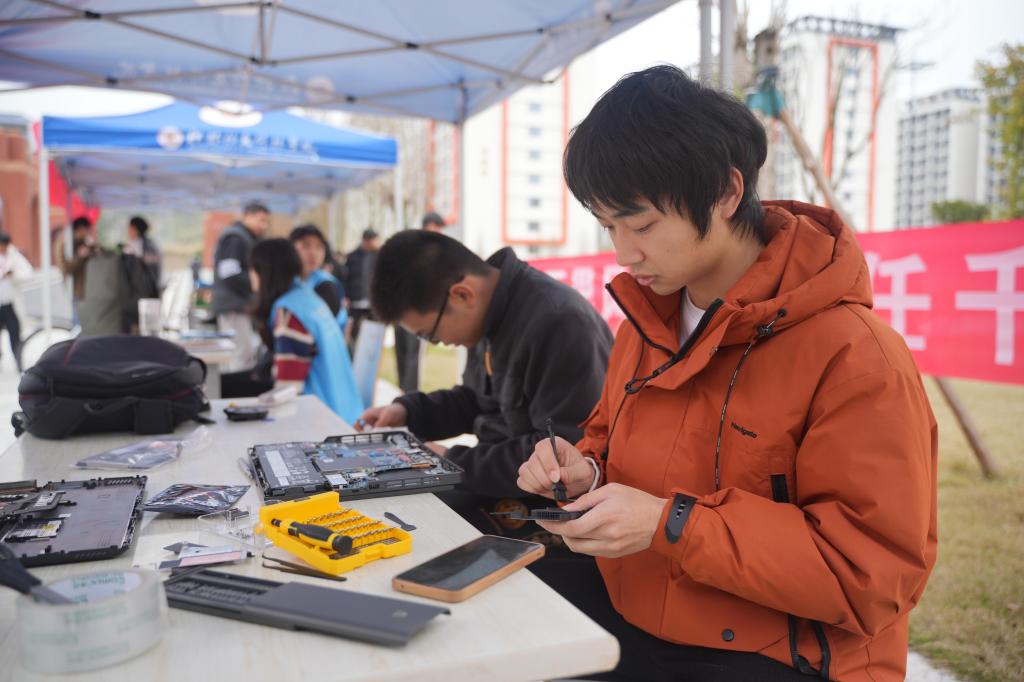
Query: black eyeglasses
432 336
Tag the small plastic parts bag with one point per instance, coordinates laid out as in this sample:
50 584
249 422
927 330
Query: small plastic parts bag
149 453
195 500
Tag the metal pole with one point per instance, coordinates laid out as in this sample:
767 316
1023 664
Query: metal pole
332 221
460 168
69 249
726 44
45 264
399 198
988 465
706 68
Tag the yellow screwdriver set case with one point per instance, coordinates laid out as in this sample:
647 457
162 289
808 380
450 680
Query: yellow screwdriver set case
371 539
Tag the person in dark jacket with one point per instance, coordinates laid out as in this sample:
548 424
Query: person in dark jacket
538 352
141 245
359 271
83 247
233 298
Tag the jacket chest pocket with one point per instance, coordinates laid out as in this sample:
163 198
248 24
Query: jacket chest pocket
766 469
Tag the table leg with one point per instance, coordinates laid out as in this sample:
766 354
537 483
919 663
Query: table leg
213 381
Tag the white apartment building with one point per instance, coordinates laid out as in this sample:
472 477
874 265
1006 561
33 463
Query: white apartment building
940 157
991 181
837 79
515 194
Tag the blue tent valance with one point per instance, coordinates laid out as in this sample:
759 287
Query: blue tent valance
185 155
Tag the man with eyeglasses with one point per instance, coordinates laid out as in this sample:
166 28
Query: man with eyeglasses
538 350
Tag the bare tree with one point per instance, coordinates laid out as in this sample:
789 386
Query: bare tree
849 59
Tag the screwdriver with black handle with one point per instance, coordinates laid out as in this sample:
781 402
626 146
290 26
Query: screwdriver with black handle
316 535
15 576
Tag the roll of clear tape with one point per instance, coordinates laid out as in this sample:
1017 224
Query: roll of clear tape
116 615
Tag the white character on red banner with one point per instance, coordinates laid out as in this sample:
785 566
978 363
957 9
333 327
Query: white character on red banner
583 281
1006 300
898 301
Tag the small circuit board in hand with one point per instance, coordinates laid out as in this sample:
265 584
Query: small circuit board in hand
545 514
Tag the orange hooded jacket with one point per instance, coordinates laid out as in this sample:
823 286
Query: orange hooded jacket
807 439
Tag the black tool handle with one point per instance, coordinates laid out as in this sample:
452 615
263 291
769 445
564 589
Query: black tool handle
340 543
558 489
13 574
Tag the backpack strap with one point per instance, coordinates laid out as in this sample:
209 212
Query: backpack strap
151 416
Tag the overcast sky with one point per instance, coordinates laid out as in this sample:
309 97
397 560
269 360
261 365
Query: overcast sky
952 35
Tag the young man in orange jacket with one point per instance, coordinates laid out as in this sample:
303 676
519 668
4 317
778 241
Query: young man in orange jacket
766 503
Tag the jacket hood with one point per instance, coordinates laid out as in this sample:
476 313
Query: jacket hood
812 262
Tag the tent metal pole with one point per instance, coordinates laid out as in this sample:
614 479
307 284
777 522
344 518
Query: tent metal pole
80 15
332 221
726 45
94 79
460 165
706 49
399 198
45 259
69 249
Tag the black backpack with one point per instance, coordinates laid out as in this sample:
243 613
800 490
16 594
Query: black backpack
111 383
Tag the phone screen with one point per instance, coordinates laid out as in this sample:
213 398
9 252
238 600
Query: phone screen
468 563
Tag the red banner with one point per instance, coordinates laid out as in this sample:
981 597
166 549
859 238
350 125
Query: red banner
955 293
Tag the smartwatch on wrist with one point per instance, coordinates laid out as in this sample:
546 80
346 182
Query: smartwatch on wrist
677 516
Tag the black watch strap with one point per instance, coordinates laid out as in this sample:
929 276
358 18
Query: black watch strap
677 516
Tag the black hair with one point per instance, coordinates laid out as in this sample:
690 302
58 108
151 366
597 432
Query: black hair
414 270
661 136
277 264
80 222
255 207
309 230
140 224
5 238
432 218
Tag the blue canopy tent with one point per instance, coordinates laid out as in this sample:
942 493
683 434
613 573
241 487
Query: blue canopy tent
189 156
201 157
444 60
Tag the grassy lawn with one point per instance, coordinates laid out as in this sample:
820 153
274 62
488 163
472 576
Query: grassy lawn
971 618
437 368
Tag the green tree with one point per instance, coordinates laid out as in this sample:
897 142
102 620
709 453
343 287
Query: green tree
1004 85
958 211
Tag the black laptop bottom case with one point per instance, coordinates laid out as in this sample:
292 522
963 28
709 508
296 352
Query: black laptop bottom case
300 606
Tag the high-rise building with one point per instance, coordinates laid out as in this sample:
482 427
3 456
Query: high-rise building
515 194
836 77
940 157
991 179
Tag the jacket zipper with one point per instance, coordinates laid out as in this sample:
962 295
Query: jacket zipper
675 357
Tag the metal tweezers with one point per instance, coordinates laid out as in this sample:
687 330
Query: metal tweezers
299 569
